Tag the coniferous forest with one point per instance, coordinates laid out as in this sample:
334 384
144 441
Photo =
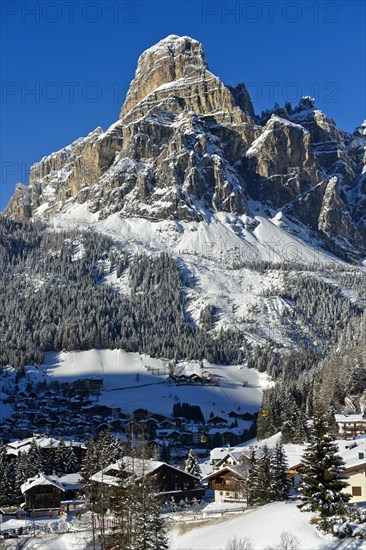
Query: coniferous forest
60 290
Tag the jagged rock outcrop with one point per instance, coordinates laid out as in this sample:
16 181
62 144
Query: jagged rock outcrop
19 206
335 221
281 163
186 144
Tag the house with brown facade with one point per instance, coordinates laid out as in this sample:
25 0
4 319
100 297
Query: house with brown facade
169 482
42 493
230 483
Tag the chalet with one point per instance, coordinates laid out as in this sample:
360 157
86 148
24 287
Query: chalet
206 376
140 414
71 483
217 420
356 478
230 483
89 386
47 444
100 410
224 436
195 379
232 458
42 493
170 482
157 417
350 425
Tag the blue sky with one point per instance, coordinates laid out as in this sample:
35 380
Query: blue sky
66 66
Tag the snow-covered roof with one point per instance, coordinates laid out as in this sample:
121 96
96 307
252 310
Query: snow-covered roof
219 453
347 418
70 481
356 465
137 466
293 454
40 480
23 445
235 469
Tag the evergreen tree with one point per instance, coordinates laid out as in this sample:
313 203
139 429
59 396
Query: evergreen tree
21 472
149 532
141 526
191 464
280 483
34 459
322 477
61 457
251 478
9 483
71 461
261 492
301 429
49 460
3 473
89 466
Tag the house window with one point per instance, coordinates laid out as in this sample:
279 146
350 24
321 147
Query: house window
221 492
356 491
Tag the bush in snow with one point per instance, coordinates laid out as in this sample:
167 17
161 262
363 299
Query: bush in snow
353 524
239 544
288 541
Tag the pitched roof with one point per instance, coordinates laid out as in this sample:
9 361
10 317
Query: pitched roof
137 466
40 480
237 470
353 467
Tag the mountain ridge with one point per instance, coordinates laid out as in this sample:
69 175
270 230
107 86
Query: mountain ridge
187 146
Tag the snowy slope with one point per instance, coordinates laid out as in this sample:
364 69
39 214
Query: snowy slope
216 255
263 527
132 381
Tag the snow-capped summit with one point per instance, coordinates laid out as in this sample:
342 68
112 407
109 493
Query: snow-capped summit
187 146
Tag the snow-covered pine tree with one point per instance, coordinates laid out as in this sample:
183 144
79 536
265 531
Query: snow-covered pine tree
34 459
322 477
280 483
191 465
21 472
49 459
141 526
89 466
71 461
3 470
289 416
107 449
149 532
251 477
9 483
61 457
260 486
301 429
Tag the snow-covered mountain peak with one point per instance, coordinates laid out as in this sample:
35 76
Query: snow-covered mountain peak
187 146
173 59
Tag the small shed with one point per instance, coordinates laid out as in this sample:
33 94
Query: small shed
42 492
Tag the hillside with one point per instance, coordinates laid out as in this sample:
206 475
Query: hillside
194 229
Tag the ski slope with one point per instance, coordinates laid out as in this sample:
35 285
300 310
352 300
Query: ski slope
132 380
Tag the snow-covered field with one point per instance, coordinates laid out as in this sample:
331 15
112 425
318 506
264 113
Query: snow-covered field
132 380
263 527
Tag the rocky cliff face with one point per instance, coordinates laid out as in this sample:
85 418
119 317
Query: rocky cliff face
186 144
